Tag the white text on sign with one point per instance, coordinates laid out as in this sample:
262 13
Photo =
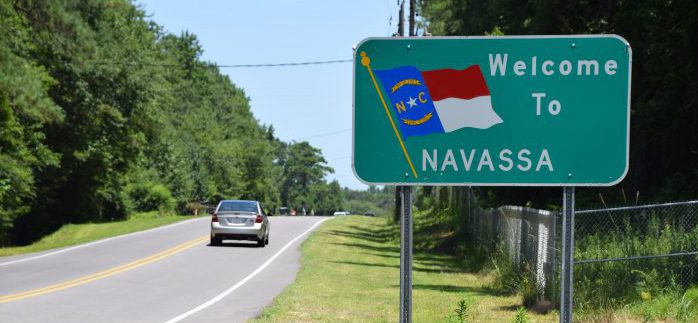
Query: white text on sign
505 161
499 66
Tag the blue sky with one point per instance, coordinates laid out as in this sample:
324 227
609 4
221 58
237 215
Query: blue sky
312 103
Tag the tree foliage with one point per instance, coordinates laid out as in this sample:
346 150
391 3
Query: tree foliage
102 113
374 199
303 179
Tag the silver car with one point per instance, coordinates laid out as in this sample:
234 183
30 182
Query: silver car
239 220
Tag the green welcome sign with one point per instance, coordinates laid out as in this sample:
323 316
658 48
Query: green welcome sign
533 111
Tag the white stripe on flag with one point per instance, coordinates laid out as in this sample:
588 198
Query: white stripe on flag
460 113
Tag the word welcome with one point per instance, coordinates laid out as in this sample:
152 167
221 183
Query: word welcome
584 67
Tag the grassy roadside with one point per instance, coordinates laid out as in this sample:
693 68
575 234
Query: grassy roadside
73 234
351 273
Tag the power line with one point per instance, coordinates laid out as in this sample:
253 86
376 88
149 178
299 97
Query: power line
323 134
285 64
233 65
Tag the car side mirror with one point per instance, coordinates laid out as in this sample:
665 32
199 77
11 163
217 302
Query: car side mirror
211 211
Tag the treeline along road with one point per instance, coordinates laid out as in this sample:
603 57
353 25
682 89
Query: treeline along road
103 114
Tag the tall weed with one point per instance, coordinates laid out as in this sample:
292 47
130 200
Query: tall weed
513 278
462 311
521 316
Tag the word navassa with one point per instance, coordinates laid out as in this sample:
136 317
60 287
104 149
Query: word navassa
506 158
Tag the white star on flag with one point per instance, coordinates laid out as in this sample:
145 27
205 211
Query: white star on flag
412 102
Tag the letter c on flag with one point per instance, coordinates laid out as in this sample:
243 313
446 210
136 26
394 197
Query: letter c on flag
422 99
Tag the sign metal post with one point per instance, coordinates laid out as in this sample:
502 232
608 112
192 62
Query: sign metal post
567 255
406 256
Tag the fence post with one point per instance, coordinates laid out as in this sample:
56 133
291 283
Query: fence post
524 244
552 252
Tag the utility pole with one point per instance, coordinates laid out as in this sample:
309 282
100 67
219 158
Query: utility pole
401 21
398 189
413 28
406 220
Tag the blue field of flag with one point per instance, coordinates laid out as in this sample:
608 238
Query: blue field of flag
410 101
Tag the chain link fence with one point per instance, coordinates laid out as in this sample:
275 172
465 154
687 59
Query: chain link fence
621 254
636 252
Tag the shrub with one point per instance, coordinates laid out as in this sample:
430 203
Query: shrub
149 196
195 208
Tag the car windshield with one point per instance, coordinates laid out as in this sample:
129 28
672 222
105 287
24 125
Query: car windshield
238 206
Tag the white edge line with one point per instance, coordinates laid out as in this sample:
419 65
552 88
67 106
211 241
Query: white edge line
95 242
227 292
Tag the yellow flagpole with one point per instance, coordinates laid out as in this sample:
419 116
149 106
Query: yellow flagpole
365 61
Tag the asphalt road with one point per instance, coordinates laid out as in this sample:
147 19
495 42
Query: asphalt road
168 274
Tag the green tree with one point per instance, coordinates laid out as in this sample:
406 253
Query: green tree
326 198
81 47
25 110
304 167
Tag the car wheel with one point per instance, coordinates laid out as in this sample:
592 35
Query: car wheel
266 241
260 243
214 241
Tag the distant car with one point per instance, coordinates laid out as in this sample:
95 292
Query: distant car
369 214
240 220
341 213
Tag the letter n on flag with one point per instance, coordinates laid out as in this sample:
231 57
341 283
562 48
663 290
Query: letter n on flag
438 101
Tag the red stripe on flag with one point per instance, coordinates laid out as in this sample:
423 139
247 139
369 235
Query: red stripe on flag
449 83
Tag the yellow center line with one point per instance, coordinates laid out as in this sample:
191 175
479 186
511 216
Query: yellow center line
102 274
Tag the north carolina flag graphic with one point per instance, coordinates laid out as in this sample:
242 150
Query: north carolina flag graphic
438 101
